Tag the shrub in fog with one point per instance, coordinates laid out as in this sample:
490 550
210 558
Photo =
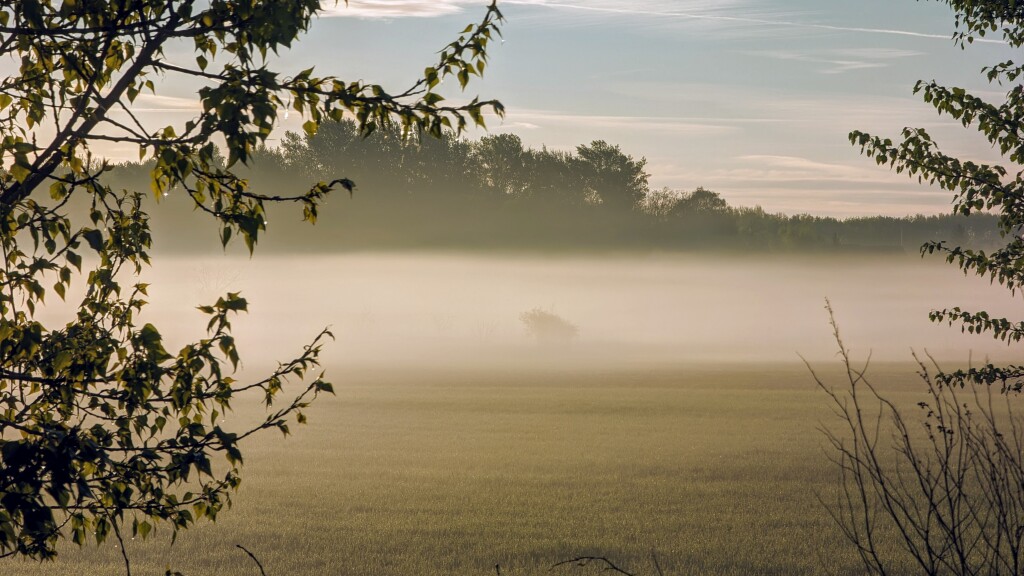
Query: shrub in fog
547 327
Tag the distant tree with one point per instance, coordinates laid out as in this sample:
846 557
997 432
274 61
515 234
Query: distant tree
700 201
503 164
554 179
376 160
102 430
335 148
617 180
436 169
660 203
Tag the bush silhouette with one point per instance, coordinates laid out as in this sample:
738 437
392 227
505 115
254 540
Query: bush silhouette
547 327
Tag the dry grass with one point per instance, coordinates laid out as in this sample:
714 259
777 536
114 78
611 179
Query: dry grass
452 472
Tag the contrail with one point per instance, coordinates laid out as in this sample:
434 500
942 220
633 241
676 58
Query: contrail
746 20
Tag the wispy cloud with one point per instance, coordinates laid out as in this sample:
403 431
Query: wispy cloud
145 102
550 119
723 11
700 10
797 184
841 60
826 65
777 168
394 8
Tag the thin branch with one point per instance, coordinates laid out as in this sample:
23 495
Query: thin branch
124 552
583 561
254 558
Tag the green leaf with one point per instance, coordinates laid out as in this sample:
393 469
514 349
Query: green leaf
75 260
20 172
94 238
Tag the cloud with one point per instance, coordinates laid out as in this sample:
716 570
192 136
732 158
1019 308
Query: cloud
513 126
551 119
878 53
724 12
156 103
840 61
433 8
831 65
796 184
394 8
767 167
869 200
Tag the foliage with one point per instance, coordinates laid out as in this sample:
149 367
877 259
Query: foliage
659 203
503 165
977 187
945 488
101 427
547 327
699 201
613 178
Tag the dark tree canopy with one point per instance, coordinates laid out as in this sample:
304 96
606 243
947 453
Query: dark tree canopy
700 200
101 428
497 192
615 179
505 163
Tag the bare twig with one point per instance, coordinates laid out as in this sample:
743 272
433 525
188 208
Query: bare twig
124 553
583 561
254 558
657 565
946 487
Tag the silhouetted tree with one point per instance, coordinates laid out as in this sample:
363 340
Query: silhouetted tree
555 179
503 165
699 201
660 203
617 180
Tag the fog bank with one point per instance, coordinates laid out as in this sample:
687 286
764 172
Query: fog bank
449 310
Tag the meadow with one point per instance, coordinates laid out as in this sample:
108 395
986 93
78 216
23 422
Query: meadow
716 470
680 422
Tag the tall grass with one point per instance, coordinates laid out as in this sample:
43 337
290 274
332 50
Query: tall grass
454 471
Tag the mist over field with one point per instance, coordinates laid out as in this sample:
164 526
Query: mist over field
647 299
678 420
452 310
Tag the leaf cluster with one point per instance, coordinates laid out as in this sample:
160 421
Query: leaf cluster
101 427
977 187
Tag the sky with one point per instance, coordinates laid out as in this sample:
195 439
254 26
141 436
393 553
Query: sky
750 98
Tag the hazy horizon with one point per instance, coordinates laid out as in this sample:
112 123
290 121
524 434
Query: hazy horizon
464 309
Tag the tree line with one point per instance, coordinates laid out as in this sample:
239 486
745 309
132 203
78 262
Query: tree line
496 193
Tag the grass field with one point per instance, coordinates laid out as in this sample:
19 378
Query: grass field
717 470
